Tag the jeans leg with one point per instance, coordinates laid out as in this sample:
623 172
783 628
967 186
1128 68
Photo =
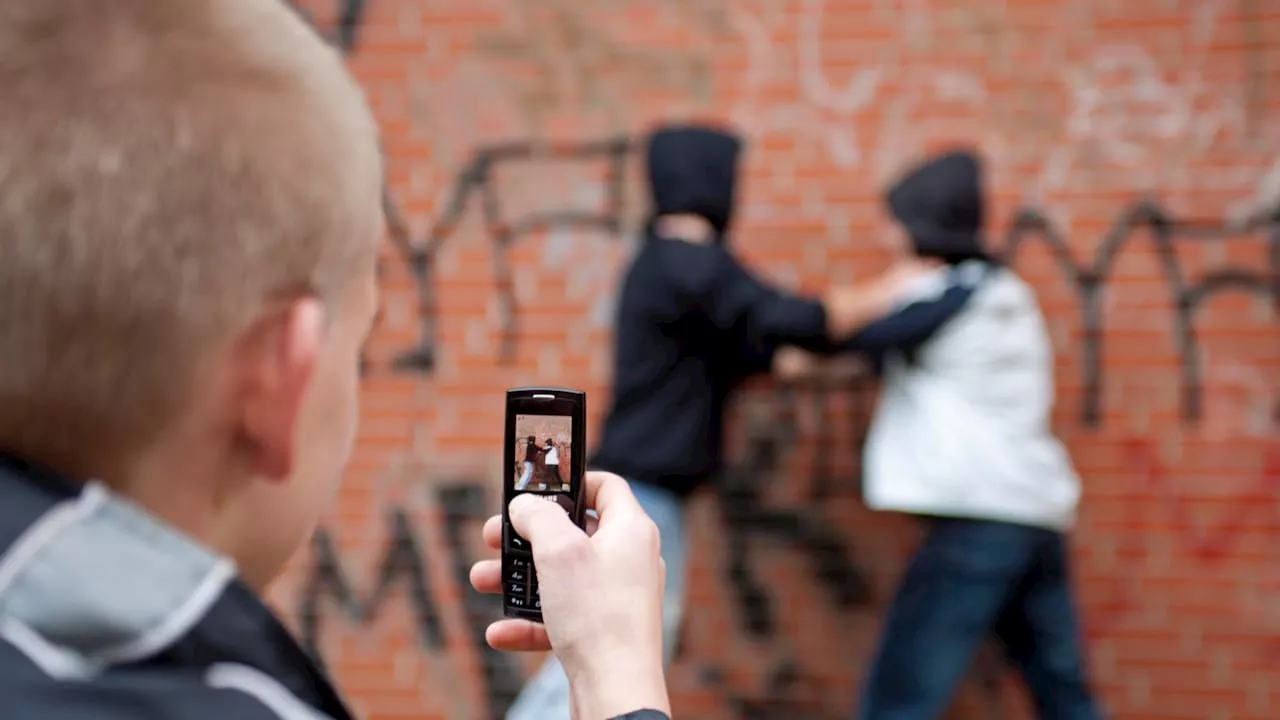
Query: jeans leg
666 509
947 604
1041 634
546 696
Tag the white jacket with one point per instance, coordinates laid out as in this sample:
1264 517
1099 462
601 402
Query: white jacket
962 427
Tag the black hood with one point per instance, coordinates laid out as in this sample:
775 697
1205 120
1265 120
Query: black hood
694 170
940 203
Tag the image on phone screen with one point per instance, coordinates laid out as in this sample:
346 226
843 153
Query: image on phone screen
544 449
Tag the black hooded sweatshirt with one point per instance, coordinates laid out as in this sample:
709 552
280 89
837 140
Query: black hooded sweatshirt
691 323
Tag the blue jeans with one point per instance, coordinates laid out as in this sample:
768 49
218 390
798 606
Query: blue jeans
526 476
971 579
546 696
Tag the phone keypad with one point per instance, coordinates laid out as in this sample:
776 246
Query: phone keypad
517 575
520 593
519 579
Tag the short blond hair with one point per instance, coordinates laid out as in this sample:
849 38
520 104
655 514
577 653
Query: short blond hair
166 169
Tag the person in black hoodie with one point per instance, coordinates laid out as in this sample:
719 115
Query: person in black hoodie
692 323
529 465
961 438
190 216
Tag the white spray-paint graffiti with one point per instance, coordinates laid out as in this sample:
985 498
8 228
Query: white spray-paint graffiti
1126 113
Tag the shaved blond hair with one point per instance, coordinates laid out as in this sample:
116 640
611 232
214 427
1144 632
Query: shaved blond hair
167 169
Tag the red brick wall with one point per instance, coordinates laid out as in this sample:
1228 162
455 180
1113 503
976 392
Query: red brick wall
1168 394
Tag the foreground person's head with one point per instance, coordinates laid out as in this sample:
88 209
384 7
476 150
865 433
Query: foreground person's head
189 217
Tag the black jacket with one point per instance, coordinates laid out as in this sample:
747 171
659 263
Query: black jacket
691 323
108 614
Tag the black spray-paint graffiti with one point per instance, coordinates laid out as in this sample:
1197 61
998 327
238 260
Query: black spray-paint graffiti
747 518
403 559
771 435
477 180
1185 296
465 506
403 565
1089 282
745 511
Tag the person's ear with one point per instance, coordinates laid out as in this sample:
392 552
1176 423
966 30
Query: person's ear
279 356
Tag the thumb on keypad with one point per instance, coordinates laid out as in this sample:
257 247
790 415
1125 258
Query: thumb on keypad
542 522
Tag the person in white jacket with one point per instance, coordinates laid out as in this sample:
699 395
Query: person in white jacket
552 461
961 438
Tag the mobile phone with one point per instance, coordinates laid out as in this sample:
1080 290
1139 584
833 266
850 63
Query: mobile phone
545 456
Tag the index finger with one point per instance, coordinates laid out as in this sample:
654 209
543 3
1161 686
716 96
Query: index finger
610 494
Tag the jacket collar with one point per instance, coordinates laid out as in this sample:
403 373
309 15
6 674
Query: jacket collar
98 583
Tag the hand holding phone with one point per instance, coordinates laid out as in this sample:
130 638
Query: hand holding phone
602 576
601 596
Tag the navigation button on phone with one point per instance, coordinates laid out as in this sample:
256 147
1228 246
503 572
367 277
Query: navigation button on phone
515 542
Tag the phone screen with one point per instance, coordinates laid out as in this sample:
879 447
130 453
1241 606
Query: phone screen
543 455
